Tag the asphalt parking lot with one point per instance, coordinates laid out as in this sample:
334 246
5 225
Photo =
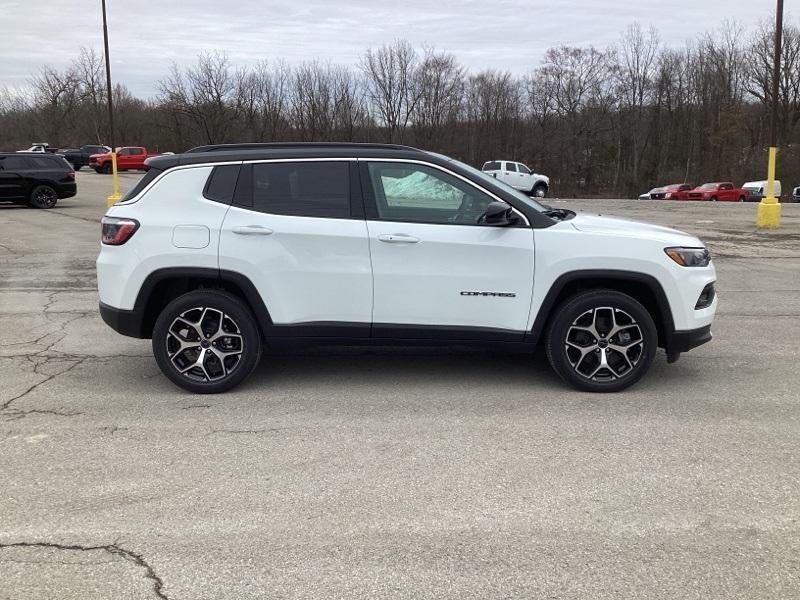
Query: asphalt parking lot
396 474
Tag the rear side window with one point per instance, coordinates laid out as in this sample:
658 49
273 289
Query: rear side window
141 184
14 163
302 189
46 162
492 166
222 183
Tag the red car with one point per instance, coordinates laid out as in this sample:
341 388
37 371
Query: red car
722 191
674 191
128 158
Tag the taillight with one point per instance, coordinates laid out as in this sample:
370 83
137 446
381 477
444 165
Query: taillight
71 175
117 231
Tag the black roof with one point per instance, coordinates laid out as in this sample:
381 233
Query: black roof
237 152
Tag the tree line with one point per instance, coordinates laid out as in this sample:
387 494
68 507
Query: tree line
613 121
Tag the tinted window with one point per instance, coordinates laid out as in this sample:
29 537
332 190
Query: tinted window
511 167
14 163
303 189
141 184
46 162
492 166
136 151
222 183
421 194
523 169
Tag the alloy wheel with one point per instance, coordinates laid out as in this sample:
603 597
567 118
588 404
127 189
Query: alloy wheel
45 197
204 344
604 344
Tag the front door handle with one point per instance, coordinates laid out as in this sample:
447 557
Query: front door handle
252 230
398 238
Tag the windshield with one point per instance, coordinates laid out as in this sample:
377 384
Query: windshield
493 180
708 186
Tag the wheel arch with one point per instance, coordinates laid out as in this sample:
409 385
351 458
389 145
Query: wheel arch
164 285
644 288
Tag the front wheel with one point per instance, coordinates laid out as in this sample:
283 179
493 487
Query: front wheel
206 341
601 341
539 191
713 199
741 198
43 196
106 169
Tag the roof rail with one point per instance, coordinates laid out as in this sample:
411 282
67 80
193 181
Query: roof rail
284 145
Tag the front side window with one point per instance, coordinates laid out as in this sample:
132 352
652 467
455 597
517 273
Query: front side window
422 194
523 169
302 189
511 167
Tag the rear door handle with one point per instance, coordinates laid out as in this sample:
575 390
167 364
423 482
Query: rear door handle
398 238
252 230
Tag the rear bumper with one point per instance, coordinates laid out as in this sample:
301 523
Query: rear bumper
67 190
683 341
126 322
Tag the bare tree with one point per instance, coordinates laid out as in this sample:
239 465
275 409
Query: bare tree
439 81
389 75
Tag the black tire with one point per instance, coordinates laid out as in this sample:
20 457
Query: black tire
177 325
76 167
539 191
713 199
580 365
106 169
43 196
741 198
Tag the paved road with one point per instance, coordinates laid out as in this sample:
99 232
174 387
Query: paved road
395 474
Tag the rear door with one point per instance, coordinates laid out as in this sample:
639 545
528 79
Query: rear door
436 268
12 177
296 229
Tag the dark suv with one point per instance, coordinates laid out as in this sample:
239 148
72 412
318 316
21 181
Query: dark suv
39 180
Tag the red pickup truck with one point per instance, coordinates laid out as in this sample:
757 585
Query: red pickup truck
724 192
128 158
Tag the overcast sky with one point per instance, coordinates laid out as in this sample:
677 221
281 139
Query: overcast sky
147 35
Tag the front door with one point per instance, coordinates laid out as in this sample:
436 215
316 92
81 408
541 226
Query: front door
435 266
293 231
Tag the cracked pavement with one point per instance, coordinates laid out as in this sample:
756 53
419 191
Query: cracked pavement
395 474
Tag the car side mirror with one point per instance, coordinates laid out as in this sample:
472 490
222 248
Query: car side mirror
499 214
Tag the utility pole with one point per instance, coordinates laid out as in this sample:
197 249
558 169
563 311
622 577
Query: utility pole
769 209
115 195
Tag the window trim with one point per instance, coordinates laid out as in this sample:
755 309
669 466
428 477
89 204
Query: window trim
371 206
208 183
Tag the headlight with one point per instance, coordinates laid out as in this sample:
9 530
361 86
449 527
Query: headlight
689 257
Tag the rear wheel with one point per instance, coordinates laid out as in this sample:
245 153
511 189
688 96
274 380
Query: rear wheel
43 196
741 198
713 199
206 341
76 167
601 341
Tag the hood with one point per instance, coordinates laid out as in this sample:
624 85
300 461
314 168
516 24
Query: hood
629 228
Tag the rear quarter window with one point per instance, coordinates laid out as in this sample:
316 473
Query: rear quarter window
221 183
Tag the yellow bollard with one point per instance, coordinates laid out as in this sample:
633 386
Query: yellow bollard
768 215
115 195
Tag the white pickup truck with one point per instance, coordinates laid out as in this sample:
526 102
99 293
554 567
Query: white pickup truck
518 176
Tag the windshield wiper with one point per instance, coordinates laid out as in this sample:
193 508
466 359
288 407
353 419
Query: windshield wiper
559 213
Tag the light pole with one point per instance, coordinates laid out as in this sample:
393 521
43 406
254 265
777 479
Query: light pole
769 209
115 195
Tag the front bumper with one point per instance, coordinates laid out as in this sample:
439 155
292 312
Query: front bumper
683 341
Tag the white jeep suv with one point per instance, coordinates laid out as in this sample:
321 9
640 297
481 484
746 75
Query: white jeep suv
224 250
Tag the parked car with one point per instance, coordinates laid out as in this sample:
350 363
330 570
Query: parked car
128 158
796 194
647 195
38 179
223 250
756 190
518 176
40 147
79 157
673 191
722 191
